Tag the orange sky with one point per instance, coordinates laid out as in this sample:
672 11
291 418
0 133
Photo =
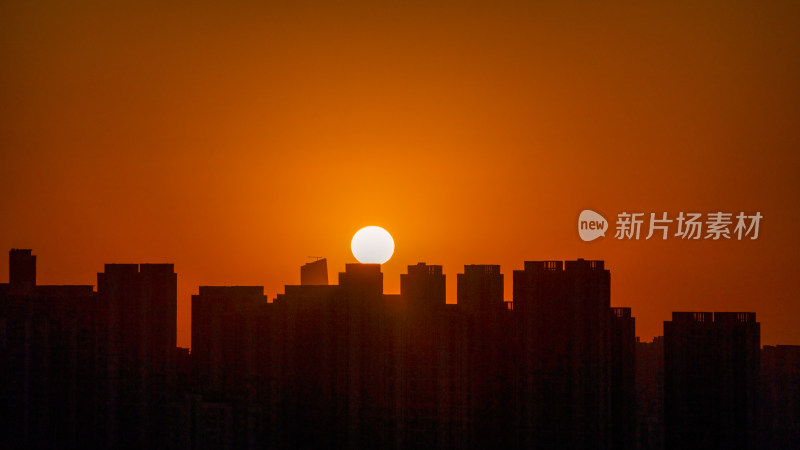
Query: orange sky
235 140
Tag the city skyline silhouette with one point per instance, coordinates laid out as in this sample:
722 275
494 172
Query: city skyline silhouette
348 366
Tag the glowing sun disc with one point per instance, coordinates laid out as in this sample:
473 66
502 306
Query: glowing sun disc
372 245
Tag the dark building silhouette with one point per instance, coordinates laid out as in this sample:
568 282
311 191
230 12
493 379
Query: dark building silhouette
86 369
422 389
780 397
348 366
225 334
194 423
623 379
433 392
21 272
225 407
371 357
314 273
47 354
711 367
334 362
650 394
480 287
566 356
423 287
137 336
488 355
183 368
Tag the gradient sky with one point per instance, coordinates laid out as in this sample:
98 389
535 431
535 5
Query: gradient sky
236 139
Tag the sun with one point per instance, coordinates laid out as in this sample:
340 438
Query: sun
372 245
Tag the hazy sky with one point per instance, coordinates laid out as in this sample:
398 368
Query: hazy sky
235 140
